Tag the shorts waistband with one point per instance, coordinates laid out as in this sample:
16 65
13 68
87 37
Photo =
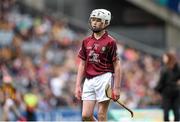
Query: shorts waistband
91 77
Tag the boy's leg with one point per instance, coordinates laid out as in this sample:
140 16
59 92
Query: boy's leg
102 110
87 110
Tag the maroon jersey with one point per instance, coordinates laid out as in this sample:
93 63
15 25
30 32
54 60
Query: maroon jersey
99 55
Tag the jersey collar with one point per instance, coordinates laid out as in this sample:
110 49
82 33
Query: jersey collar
102 37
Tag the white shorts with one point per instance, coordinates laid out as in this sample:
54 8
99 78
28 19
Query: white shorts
94 89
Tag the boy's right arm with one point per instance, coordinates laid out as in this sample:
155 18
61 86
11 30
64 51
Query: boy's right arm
80 77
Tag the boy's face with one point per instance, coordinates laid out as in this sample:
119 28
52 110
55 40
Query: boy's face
97 24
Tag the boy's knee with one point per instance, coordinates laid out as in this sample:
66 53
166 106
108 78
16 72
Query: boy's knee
101 116
87 118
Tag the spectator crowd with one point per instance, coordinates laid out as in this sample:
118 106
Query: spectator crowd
38 66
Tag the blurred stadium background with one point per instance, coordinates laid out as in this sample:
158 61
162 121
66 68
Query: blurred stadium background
39 41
